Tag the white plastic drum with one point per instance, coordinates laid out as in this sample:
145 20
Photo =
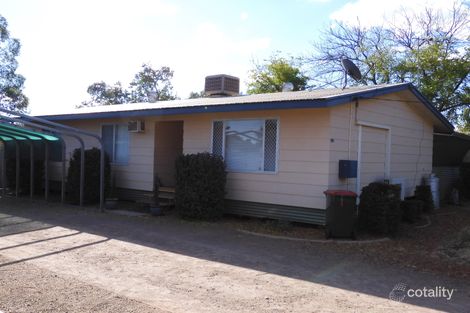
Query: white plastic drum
433 182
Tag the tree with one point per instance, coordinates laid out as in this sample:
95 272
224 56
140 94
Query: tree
464 125
11 83
195 94
148 85
151 85
104 94
427 49
273 73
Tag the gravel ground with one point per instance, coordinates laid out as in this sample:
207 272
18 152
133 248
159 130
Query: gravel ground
439 243
422 248
28 288
57 258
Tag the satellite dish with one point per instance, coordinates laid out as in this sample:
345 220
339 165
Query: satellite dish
287 86
350 69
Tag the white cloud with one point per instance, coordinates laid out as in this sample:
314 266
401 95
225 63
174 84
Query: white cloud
319 1
210 51
90 52
114 9
244 16
67 45
374 12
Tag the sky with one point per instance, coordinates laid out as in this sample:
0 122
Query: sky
68 45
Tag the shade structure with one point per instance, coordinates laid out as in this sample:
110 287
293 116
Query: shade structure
10 132
25 128
17 133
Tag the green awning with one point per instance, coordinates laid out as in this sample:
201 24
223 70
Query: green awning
9 131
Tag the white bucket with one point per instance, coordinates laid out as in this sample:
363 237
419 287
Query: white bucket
433 182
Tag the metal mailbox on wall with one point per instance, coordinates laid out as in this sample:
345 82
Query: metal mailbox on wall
347 169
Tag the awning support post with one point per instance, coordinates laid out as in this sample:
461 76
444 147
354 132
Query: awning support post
82 173
4 168
46 170
102 178
17 189
62 187
31 169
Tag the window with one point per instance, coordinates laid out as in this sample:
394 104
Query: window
246 145
116 142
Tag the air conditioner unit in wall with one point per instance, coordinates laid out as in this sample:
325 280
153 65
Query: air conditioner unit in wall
136 126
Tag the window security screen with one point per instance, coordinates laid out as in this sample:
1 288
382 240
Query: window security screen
246 145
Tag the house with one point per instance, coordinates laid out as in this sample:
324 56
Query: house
282 150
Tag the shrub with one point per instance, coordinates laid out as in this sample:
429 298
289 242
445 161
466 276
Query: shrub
92 176
412 210
200 186
379 208
423 193
25 175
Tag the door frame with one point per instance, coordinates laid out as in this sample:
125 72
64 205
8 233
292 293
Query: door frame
388 150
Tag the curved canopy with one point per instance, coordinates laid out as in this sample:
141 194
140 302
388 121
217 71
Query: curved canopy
10 132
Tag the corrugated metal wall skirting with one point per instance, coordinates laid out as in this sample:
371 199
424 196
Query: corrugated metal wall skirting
246 208
132 194
275 211
448 177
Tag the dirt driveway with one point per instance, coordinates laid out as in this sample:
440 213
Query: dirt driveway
62 259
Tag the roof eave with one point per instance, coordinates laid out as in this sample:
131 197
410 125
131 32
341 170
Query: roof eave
233 107
255 106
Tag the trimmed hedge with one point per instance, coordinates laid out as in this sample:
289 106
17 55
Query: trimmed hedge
379 208
200 186
92 176
423 193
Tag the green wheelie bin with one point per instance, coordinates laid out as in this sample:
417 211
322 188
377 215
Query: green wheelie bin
341 214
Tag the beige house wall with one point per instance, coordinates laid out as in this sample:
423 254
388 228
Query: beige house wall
310 144
303 157
411 140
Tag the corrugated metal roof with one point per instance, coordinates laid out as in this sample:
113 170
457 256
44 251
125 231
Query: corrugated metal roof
258 98
9 131
320 98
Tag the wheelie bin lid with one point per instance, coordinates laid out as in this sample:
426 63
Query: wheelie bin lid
341 193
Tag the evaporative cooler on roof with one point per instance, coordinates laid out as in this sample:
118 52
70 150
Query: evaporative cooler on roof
222 85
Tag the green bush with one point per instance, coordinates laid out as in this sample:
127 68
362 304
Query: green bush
412 210
200 186
25 175
92 176
379 208
423 193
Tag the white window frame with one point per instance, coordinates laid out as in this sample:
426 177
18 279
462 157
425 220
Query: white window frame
112 157
276 165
